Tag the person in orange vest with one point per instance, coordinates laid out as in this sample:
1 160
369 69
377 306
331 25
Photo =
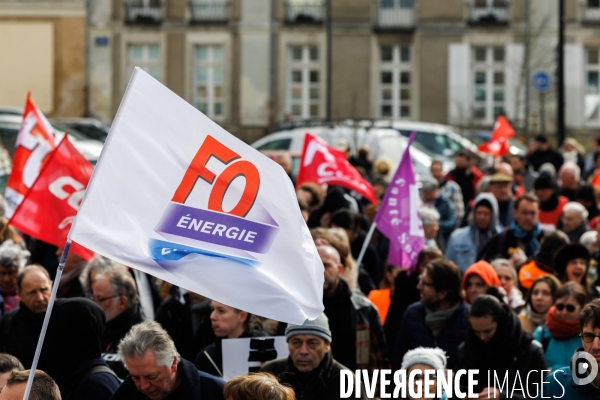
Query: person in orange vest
542 262
551 204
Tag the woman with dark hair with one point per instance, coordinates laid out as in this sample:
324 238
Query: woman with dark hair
497 344
227 323
539 299
406 292
560 337
572 264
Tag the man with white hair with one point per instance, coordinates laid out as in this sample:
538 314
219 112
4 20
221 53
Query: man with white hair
569 177
573 221
431 225
156 371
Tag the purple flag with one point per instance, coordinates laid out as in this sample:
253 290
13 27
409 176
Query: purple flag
398 217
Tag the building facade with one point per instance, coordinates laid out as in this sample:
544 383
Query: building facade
250 63
42 51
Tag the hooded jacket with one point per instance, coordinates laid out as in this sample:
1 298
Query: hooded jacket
485 271
464 243
560 384
73 348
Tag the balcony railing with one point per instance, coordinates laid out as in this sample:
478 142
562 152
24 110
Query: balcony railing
143 11
497 12
591 12
209 11
394 14
307 11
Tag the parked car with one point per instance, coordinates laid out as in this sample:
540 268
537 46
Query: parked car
11 124
90 127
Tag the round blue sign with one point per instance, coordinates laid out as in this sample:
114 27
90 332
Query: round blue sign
541 81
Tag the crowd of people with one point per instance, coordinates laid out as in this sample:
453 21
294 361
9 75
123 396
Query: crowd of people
507 281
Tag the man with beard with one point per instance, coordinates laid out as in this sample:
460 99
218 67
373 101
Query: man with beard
439 319
466 175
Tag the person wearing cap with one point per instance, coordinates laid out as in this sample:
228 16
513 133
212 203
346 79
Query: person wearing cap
545 154
465 243
551 204
501 188
432 198
423 359
521 239
572 264
310 369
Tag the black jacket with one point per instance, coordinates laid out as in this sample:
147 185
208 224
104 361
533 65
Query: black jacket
405 294
214 354
499 245
19 333
509 352
323 383
194 385
115 330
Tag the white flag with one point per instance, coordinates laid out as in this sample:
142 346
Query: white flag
180 198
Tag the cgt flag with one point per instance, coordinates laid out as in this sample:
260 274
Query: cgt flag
398 216
322 163
48 209
498 145
178 197
34 142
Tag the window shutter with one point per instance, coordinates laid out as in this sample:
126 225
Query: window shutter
459 83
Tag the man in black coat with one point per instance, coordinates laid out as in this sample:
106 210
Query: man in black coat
156 371
310 368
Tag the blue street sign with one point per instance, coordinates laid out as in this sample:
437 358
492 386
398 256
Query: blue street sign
541 81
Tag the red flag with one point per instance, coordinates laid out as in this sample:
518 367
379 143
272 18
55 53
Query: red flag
498 145
48 209
322 163
34 142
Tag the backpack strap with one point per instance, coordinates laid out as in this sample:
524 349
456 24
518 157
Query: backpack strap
76 393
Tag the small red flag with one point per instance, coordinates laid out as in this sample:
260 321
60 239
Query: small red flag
50 205
498 145
321 163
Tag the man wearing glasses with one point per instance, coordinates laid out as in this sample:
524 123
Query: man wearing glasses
582 379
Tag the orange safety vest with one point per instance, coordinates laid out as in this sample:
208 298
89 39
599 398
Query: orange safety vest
381 299
529 273
551 217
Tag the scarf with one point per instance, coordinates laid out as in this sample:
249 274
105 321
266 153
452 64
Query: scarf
436 320
559 328
536 318
11 298
528 237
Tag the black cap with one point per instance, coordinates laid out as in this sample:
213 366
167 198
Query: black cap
544 181
541 138
568 253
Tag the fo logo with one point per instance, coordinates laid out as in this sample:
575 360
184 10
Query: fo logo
584 368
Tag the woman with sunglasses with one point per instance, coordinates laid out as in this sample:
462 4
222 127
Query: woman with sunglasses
496 343
540 298
560 337
572 264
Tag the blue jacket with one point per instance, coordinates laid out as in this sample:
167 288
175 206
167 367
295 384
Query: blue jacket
558 352
561 386
447 215
414 332
462 245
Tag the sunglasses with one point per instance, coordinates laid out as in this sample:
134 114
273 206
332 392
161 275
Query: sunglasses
569 307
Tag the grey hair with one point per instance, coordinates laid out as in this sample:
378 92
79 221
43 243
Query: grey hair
578 208
99 264
121 283
12 255
503 262
588 238
572 168
429 215
483 186
148 335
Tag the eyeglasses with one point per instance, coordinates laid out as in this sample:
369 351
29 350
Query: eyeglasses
588 337
100 300
569 307
422 282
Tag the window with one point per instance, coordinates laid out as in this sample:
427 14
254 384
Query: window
145 56
395 78
303 95
488 83
278 144
592 87
208 90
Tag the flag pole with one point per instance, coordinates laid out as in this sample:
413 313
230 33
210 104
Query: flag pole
366 244
38 350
